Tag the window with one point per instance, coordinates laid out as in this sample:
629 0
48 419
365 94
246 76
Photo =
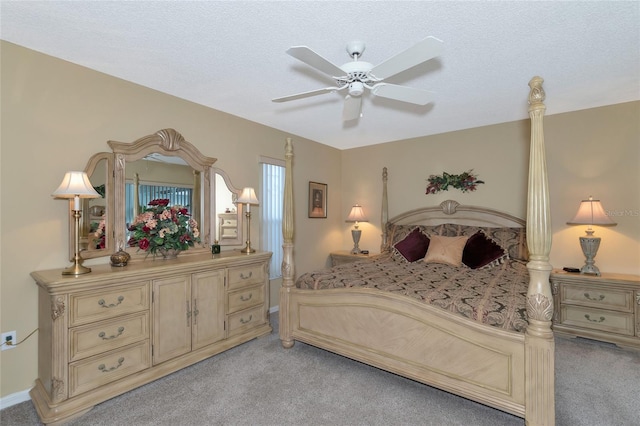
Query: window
271 208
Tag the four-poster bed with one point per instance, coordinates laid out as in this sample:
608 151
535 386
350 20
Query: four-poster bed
498 366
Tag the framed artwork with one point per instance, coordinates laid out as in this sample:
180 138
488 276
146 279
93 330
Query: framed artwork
317 200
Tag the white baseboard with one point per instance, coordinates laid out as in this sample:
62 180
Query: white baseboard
14 398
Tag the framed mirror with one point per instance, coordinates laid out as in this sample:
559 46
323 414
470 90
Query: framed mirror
96 222
161 165
227 225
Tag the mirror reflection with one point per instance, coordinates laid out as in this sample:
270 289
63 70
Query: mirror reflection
94 239
157 176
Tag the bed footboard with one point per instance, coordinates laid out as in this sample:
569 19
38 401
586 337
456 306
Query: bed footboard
428 345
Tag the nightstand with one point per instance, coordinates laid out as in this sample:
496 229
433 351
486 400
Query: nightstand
605 307
341 257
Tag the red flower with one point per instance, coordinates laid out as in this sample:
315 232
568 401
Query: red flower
143 244
159 202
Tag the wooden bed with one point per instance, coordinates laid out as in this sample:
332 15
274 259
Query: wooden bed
504 369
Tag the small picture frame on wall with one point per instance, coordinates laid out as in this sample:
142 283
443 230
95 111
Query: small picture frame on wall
317 200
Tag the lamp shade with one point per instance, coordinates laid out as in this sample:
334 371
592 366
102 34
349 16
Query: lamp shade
248 196
75 184
591 212
357 214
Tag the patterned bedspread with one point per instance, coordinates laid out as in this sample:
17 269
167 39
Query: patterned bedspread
495 296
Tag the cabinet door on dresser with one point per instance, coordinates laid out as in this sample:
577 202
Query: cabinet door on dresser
207 292
171 305
188 313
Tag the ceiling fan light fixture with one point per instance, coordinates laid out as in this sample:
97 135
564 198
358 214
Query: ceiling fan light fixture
356 88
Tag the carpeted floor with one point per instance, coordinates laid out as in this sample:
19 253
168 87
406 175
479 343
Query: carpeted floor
260 383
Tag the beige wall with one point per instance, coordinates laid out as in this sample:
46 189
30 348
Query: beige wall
591 152
55 115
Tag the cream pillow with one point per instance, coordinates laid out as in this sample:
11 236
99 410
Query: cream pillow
446 250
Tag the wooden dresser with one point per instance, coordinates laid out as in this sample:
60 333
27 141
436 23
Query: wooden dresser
104 333
605 307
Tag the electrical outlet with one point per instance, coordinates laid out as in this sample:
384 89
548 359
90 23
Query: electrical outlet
9 340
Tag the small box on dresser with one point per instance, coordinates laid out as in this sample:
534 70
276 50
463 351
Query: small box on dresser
605 308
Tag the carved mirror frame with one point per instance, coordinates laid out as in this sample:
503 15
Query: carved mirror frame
87 244
167 142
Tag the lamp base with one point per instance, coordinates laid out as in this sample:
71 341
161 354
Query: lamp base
76 269
355 234
247 249
590 247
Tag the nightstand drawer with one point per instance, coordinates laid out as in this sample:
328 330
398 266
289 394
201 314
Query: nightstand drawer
245 298
92 339
596 319
600 297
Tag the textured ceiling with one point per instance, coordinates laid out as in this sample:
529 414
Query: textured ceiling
230 56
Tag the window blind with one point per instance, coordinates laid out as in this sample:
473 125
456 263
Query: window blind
271 209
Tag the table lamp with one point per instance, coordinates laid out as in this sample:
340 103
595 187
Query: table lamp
356 215
248 197
76 185
590 213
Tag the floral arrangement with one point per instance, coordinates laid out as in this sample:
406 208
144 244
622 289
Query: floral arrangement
465 182
99 235
163 227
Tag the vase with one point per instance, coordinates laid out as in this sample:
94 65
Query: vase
169 253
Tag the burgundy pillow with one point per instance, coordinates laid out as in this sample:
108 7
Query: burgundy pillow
481 251
414 246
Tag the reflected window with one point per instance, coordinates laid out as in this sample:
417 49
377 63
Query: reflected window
177 196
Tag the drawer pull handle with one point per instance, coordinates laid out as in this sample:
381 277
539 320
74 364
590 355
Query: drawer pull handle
102 334
593 320
104 369
246 299
242 320
246 277
595 299
102 303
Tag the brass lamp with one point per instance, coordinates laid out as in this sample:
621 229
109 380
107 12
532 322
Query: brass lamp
590 213
248 197
356 215
76 185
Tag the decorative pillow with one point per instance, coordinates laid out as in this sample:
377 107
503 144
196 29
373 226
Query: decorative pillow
480 251
414 246
446 250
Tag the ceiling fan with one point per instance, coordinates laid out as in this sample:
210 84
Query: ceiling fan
356 76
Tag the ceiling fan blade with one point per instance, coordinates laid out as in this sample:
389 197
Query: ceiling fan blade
309 57
402 93
306 94
421 52
352 106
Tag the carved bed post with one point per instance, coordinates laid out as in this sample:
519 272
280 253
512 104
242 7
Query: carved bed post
539 343
288 270
384 217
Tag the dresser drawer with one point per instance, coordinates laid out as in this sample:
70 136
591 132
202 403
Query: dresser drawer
597 319
93 339
99 305
100 370
245 298
597 296
246 276
243 320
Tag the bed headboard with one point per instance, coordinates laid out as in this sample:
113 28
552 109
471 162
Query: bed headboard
450 218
